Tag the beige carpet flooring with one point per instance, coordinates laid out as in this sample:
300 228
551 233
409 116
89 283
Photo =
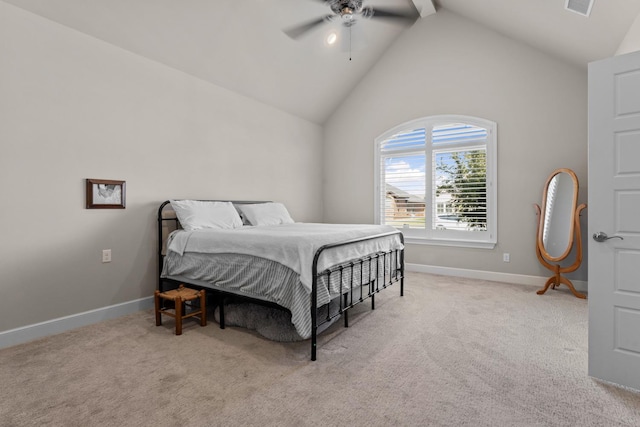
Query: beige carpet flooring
451 352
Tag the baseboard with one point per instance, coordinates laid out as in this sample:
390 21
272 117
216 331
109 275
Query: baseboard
518 279
51 327
55 326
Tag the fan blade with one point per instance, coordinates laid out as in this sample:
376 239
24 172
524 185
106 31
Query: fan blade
370 12
298 31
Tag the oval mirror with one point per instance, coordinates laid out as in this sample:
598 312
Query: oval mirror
559 201
558 226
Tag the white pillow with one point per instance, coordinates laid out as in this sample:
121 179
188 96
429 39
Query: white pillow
266 214
195 214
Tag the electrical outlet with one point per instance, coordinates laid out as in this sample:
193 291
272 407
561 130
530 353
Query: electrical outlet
506 257
106 255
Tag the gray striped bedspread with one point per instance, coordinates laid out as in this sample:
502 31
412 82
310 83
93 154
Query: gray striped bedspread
251 270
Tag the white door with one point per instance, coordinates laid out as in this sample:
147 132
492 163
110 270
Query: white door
614 209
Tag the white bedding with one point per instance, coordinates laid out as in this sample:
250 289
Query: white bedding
292 245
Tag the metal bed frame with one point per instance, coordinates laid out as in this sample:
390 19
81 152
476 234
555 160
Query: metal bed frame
392 262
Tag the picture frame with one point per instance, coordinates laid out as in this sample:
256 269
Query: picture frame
105 194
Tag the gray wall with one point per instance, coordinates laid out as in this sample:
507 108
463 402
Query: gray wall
446 64
73 107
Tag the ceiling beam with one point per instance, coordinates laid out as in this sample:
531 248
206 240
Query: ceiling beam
425 7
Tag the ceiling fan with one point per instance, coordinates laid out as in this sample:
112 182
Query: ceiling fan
348 12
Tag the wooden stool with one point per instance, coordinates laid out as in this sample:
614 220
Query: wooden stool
179 297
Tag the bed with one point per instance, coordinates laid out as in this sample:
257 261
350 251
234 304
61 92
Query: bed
255 251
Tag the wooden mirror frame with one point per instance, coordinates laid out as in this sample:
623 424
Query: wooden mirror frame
575 236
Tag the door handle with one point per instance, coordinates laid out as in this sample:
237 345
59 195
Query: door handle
601 236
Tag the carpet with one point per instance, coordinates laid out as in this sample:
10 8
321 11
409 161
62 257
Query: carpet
451 352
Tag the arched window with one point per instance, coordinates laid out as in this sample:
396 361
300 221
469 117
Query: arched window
436 180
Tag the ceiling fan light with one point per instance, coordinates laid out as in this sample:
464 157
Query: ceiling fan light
346 13
332 38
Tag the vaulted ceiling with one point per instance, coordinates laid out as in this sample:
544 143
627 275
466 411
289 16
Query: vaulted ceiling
240 45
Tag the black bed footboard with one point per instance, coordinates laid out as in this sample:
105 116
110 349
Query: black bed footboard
358 280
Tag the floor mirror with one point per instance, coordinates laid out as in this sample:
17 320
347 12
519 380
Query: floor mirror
559 228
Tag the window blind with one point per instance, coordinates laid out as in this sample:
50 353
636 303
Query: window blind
433 181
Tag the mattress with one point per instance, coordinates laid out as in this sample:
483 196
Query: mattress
293 245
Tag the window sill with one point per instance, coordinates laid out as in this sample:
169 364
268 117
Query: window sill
449 242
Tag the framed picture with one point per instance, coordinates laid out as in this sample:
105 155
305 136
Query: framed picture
105 194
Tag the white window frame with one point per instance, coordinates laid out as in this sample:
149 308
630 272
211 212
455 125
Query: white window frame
475 239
